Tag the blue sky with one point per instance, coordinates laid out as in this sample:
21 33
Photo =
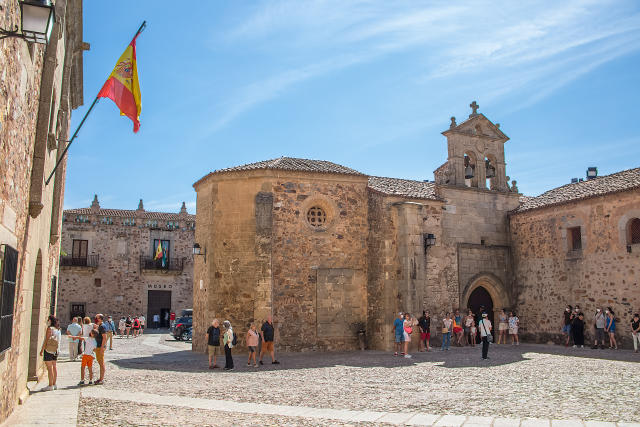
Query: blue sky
367 84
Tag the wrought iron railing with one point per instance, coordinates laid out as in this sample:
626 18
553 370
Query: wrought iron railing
91 261
171 264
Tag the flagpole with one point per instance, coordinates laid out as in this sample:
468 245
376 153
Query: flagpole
95 101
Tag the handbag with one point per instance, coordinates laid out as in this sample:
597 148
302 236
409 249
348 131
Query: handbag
408 329
489 336
445 330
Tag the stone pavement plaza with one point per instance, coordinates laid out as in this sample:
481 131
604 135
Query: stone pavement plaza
154 380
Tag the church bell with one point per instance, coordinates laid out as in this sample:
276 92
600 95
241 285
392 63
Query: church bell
491 170
468 172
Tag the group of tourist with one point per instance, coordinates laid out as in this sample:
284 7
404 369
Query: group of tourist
604 327
88 339
131 326
230 339
464 330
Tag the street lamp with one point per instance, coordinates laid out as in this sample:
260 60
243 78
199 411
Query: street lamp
37 19
197 251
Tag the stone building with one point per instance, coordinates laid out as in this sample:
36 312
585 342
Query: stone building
327 250
578 244
110 262
40 86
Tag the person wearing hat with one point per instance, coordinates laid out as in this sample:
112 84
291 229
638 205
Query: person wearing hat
398 327
485 330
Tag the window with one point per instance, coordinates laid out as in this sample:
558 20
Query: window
82 219
633 231
173 225
130 222
97 282
574 237
106 220
152 224
80 249
316 216
54 294
191 225
7 295
77 310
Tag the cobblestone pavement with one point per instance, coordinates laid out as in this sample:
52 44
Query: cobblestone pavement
154 380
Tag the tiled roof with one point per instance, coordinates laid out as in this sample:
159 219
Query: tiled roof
127 213
620 181
291 164
403 187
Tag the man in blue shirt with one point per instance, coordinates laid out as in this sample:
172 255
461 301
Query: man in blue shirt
398 327
74 330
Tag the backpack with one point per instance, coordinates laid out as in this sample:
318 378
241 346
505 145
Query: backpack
51 346
235 339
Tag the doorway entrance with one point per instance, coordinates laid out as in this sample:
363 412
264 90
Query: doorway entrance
480 297
36 314
159 302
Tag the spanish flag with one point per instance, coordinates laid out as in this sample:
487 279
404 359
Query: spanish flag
122 85
158 251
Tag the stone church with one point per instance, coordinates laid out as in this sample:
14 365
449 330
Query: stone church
327 250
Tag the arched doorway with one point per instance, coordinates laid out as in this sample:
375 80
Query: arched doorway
36 308
480 297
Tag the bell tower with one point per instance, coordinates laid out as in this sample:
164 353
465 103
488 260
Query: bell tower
475 154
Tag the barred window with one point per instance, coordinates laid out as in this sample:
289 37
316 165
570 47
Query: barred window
633 236
316 216
575 238
7 295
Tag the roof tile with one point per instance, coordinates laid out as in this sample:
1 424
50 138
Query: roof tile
403 187
127 213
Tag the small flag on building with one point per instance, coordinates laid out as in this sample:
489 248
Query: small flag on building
158 251
122 85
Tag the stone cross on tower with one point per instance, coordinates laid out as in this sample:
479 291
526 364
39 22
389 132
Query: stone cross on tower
474 109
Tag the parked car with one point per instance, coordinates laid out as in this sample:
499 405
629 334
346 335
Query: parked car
186 334
181 325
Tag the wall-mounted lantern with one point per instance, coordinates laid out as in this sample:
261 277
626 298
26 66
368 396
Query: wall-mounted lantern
36 23
197 251
429 240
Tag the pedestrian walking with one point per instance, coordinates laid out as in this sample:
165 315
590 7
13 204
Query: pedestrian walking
136 327
111 329
398 330
457 328
101 343
156 320
467 321
514 324
143 320
122 326
73 331
213 343
128 324
503 327
566 325
268 333
635 332
578 331
49 351
90 345
446 332
425 331
252 344
610 328
485 333
407 325
599 321
228 345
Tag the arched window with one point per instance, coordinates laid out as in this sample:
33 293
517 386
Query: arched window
633 231
490 172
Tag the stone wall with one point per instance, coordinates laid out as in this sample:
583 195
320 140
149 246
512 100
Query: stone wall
38 90
119 285
603 273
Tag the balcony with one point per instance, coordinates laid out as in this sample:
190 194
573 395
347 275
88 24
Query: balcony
149 265
89 262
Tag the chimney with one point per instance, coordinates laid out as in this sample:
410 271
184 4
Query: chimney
592 172
574 180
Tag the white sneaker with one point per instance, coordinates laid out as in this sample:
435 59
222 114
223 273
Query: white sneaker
581 346
48 388
575 346
407 356
55 387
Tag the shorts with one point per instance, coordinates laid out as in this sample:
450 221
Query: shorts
566 329
406 337
513 331
457 330
425 336
252 348
213 349
87 360
50 357
400 337
267 346
99 355
599 334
